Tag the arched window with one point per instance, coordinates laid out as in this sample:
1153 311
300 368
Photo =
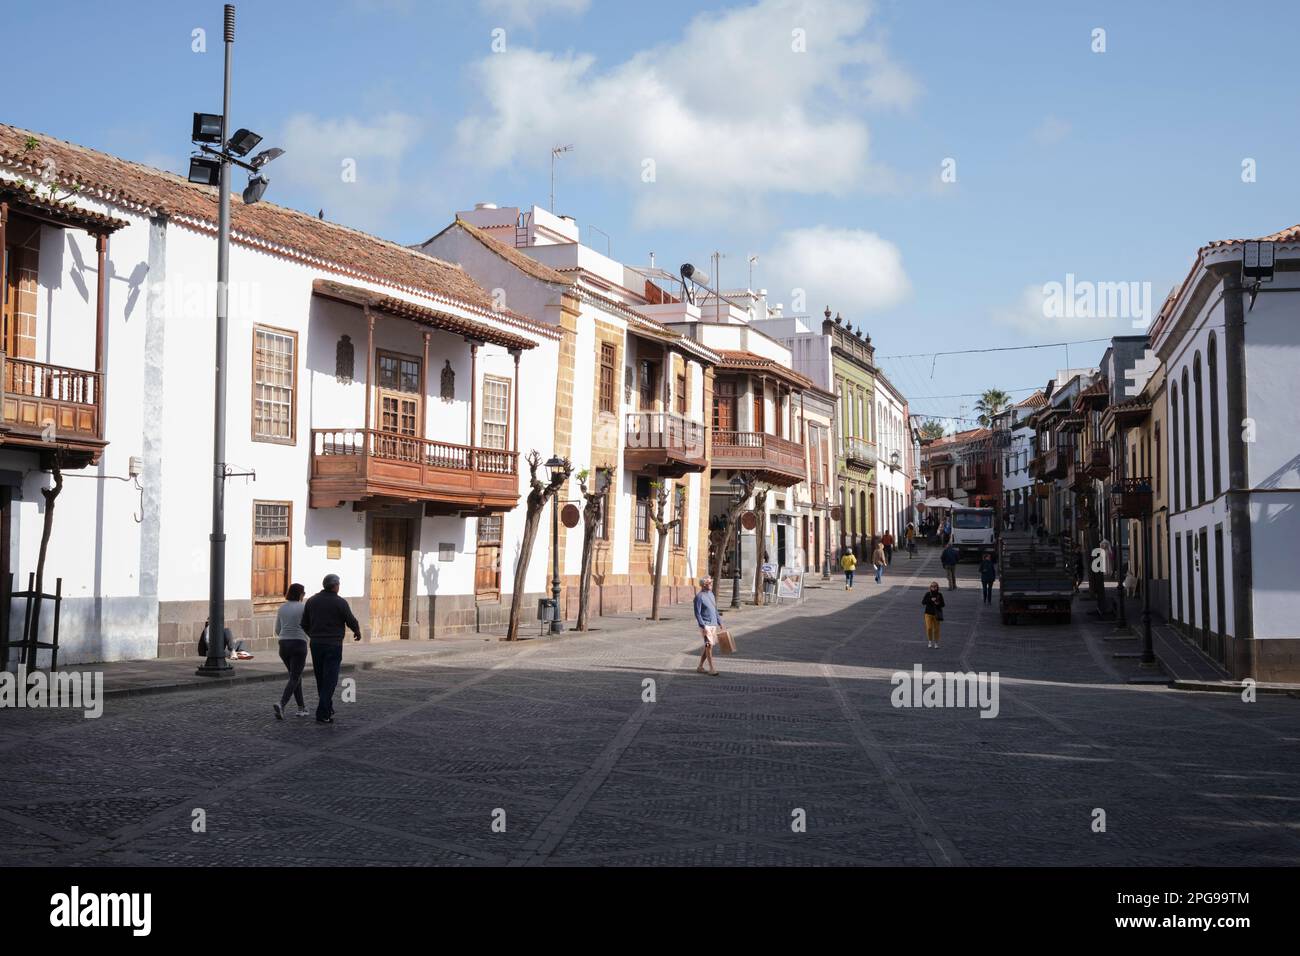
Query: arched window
1173 444
1212 360
1187 445
1200 429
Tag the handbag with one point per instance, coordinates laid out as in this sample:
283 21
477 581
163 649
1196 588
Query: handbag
726 643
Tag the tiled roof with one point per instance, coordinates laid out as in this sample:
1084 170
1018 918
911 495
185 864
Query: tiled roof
1290 234
524 263
23 197
1035 400
434 318
751 362
325 244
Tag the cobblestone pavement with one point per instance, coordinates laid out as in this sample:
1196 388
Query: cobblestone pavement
553 740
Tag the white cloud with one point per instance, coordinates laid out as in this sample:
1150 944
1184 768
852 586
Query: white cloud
321 155
1051 131
1033 315
728 114
528 12
851 270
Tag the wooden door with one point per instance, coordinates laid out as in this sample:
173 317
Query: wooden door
400 405
724 407
389 577
487 565
759 407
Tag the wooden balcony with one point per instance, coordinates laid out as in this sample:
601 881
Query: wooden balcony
51 408
1099 460
1058 462
860 453
778 461
970 484
819 496
668 444
1132 498
367 466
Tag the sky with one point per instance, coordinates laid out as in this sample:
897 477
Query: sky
949 176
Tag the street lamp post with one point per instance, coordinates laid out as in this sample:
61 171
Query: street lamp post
210 129
216 661
1148 652
556 465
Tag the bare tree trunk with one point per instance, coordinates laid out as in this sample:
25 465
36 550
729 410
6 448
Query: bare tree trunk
521 569
729 534
590 518
658 508
537 499
760 509
659 575
47 528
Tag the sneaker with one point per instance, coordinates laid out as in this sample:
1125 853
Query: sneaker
324 720
302 713
279 711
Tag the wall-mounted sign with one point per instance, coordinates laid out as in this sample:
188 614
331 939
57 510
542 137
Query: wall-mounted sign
333 550
837 513
446 550
570 516
749 521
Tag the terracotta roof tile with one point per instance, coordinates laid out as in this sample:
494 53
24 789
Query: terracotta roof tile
524 263
344 250
749 361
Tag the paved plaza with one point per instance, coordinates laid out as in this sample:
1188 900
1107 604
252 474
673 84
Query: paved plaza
548 753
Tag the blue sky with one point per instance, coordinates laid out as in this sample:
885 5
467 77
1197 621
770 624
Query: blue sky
824 161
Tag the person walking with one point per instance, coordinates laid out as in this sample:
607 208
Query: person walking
848 563
878 560
887 539
324 618
949 559
933 615
709 620
293 647
947 531
988 574
910 534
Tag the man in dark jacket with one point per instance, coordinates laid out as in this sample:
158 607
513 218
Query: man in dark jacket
324 619
949 559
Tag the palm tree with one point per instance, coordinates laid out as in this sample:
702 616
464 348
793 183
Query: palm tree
933 428
990 404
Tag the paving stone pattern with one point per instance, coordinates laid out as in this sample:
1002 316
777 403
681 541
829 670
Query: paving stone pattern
555 735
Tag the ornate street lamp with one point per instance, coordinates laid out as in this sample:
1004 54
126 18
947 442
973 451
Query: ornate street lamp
556 467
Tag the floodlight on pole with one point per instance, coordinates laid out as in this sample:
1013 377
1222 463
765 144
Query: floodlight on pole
243 142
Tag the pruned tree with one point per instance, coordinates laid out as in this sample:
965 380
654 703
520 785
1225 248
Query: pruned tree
590 520
658 514
760 509
734 508
538 495
47 528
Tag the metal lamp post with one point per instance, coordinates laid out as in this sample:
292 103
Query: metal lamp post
556 466
208 130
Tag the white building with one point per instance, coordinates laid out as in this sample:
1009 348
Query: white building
1015 437
1229 346
632 397
894 469
374 414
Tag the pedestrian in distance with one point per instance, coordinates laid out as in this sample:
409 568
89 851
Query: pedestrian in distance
233 648
933 615
324 618
988 574
887 539
878 561
848 563
709 620
293 647
949 559
910 535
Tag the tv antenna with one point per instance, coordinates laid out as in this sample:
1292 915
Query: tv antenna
556 151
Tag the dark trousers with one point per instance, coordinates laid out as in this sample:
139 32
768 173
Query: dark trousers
988 591
326 658
294 655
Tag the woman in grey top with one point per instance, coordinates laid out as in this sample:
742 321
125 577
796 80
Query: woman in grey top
293 647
